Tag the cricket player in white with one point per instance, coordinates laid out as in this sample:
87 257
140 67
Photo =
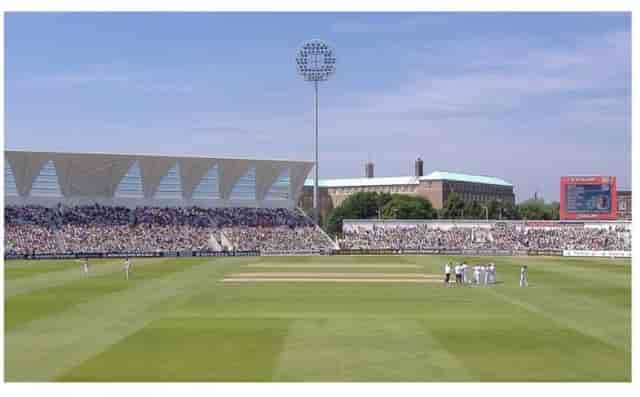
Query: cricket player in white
85 268
447 273
476 274
524 274
458 270
127 267
492 272
464 273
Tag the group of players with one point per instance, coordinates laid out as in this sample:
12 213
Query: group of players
127 268
482 273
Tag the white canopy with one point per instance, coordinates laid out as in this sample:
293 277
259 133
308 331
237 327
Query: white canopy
85 178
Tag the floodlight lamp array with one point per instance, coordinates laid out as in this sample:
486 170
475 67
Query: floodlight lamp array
316 61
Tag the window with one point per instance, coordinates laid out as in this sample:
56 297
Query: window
280 189
10 188
208 186
130 185
170 186
245 188
46 183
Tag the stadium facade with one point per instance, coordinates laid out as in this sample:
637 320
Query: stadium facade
624 204
49 178
436 187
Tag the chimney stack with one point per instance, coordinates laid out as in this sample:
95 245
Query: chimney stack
419 167
368 169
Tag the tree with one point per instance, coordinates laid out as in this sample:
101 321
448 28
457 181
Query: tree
408 207
495 208
453 208
532 209
362 205
510 211
474 210
502 210
554 210
539 210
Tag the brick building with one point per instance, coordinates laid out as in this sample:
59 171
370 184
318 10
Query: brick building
435 187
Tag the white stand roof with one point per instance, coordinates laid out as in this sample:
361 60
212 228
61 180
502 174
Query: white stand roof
85 178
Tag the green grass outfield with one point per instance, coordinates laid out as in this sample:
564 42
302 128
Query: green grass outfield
176 321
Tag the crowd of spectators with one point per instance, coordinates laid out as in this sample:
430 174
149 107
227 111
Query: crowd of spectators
29 215
502 237
599 239
29 238
414 237
98 228
277 238
139 238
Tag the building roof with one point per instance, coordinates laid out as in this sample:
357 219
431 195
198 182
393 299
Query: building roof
156 155
357 182
453 176
408 180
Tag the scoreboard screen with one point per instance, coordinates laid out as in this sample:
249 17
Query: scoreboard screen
588 197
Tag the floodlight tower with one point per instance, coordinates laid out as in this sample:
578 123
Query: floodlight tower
316 62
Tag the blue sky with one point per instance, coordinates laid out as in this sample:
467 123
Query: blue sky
525 97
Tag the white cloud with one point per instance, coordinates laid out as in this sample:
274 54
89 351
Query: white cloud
113 75
501 79
405 24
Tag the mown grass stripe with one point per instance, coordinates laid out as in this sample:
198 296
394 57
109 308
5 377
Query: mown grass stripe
333 349
50 346
59 298
15 269
564 312
25 285
47 280
598 276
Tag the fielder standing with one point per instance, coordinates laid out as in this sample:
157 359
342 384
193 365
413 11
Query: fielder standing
447 273
127 267
85 267
476 274
487 274
458 271
464 273
492 270
524 276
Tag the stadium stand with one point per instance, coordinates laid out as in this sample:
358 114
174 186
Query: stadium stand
490 236
139 203
123 203
97 228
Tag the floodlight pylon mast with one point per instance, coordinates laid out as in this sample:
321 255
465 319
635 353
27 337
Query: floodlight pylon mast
316 62
316 190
